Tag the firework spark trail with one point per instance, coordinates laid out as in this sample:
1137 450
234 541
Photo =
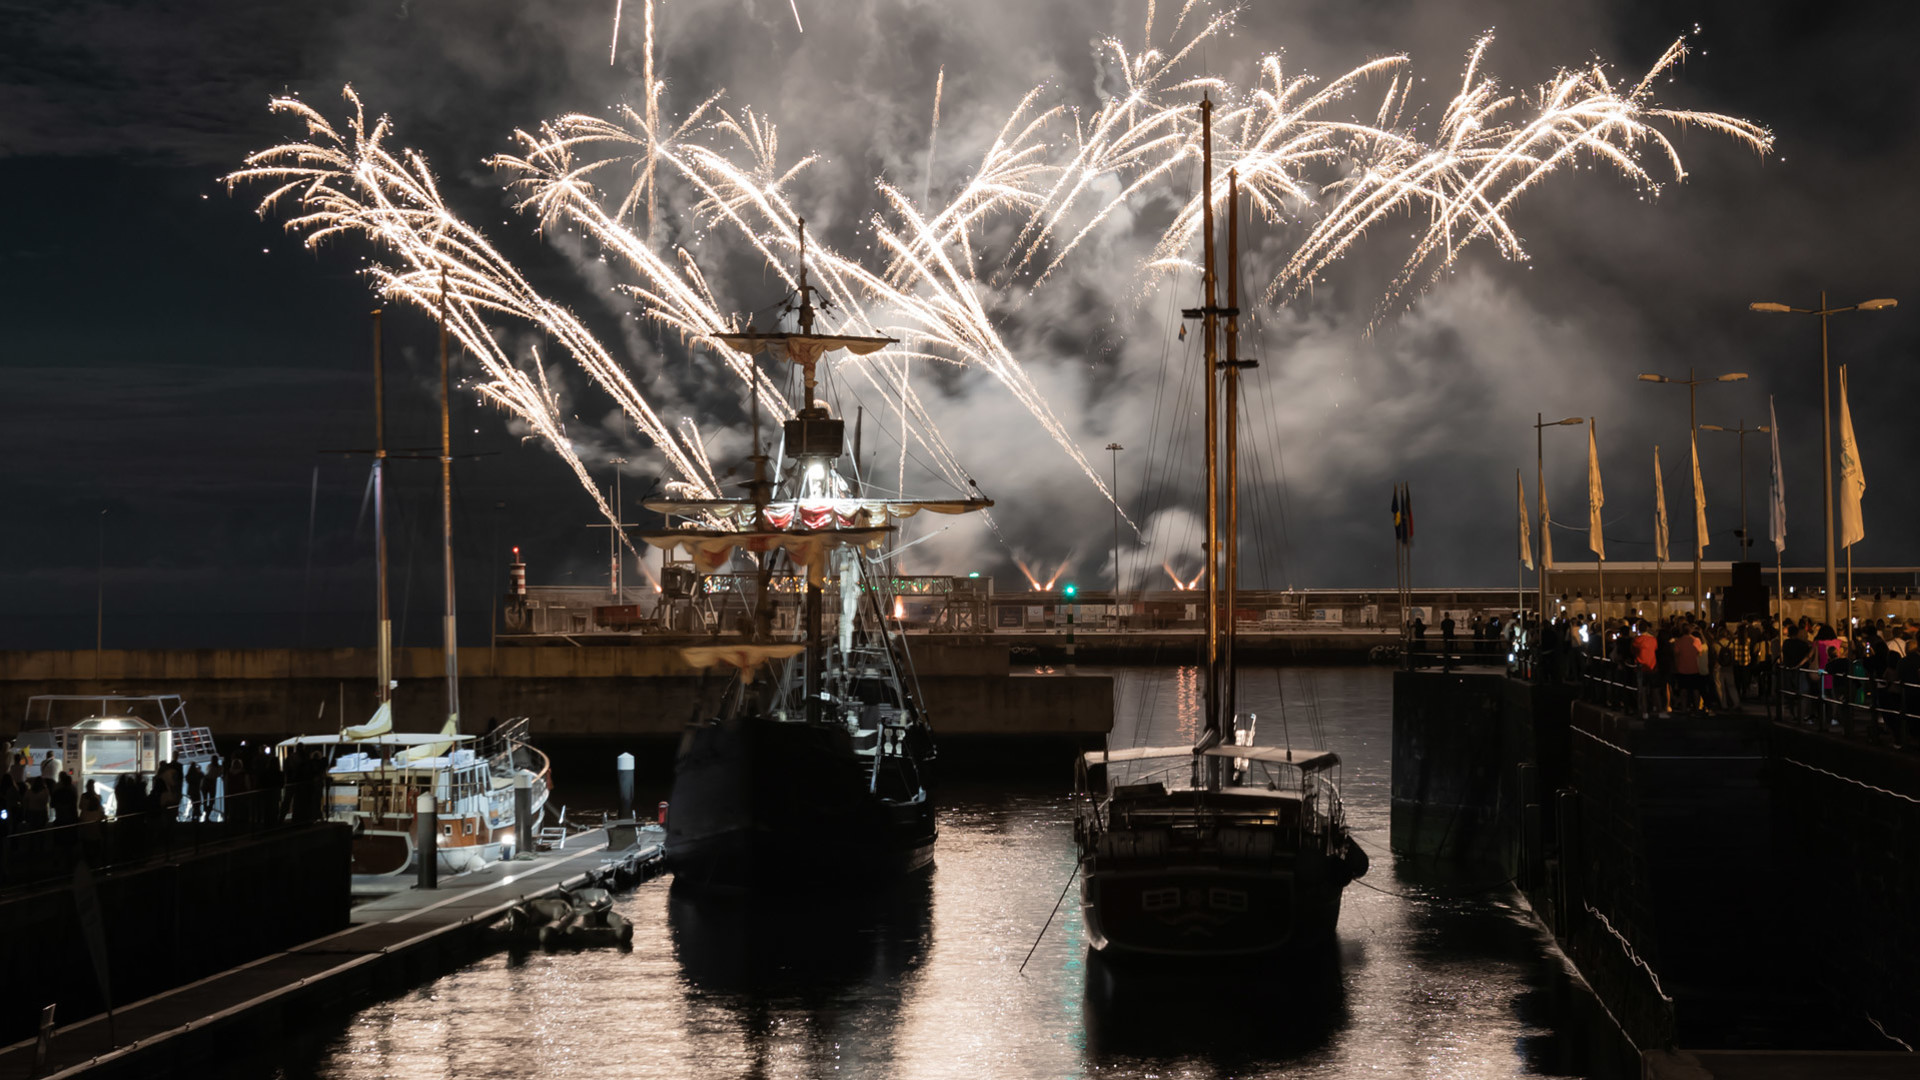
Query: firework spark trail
1332 179
613 47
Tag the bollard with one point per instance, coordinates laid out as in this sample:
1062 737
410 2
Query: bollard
426 842
44 1042
624 763
523 822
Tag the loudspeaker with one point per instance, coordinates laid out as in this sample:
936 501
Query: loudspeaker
1747 597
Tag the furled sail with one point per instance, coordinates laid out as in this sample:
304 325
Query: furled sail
746 657
712 549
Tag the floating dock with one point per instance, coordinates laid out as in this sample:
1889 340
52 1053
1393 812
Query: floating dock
393 943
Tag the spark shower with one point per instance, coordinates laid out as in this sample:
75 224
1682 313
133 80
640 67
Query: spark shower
1051 178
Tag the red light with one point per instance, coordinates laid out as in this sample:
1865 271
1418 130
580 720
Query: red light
516 553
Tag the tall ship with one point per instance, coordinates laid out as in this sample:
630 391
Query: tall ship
814 768
375 774
1222 850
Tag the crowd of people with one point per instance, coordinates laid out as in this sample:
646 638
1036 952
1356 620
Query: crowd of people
249 783
1863 683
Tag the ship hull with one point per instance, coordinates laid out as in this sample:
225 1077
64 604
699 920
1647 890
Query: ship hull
759 804
1187 907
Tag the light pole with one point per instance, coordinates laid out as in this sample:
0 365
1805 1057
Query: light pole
100 595
1540 491
1826 416
1114 448
1692 384
1746 538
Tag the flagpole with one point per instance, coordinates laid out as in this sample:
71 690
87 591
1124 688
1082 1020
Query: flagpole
1522 547
1600 571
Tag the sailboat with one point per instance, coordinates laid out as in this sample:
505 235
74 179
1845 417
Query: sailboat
1222 850
816 773
375 774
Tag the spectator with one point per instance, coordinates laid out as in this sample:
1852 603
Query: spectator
129 795
1796 657
34 812
210 806
91 809
196 781
1686 670
65 801
1646 670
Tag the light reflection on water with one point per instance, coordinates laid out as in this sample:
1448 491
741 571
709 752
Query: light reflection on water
1432 977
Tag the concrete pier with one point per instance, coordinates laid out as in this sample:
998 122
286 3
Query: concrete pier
393 943
971 690
1723 883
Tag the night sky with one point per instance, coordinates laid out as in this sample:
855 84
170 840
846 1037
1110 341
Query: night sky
190 370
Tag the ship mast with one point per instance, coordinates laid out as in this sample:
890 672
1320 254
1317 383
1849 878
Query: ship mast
1210 314
1232 366
384 639
451 643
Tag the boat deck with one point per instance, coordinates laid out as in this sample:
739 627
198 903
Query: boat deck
393 942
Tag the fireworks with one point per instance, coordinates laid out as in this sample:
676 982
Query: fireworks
1046 183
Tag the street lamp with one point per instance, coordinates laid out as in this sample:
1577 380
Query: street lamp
1826 416
1693 422
1540 490
1746 538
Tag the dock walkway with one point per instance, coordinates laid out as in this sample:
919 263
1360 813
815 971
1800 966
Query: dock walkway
393 942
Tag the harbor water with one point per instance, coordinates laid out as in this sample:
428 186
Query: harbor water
1438 973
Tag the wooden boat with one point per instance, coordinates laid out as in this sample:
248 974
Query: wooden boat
1223 849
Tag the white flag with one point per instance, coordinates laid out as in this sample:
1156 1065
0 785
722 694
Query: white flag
1779 484
1595 497
1526 540
1853 482
1699 501
1659 510
1546 533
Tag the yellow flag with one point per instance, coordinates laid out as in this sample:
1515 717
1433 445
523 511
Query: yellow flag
1853 482
1595 497
1526 540
1659 510
1546 533
1699 502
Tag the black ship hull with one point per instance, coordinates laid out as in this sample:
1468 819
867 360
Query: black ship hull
760 804
1182 907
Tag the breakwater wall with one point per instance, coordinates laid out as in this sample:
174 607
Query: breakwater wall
570 693
168 921
1724 882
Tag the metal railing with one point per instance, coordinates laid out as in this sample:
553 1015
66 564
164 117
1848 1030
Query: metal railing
33 853
1864 707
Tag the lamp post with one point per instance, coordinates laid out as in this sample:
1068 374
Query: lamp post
1826 415
1746 538
1540 492
1692 384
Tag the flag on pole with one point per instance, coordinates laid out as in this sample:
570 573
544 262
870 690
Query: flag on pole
1526 540
1659 509
1406 509
1779 484
1399 524
1699 500
1596 498
1546 533
1853 482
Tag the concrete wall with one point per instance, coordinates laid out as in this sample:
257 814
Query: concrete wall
1848 866
170 921
586 692
1447 764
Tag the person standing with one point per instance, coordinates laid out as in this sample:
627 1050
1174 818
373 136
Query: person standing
1796 655
1686 669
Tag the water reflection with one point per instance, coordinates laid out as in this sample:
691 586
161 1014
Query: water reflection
801 946
1231 1020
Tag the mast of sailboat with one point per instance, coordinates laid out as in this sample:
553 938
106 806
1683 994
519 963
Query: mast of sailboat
816 658
1232 366
1209 316
384 639
451 644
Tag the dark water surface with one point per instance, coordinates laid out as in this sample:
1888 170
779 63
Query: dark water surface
1436 976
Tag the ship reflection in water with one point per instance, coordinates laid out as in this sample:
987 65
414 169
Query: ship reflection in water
1436 976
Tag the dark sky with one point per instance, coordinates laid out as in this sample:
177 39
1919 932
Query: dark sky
185 367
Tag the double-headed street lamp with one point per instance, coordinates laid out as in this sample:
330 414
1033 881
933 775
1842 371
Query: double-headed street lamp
1826 418
1540 491
1691 383
1746 538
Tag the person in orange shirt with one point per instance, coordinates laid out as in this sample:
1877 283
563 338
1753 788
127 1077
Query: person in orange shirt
1646 670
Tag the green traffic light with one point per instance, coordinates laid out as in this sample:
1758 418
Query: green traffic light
1070 590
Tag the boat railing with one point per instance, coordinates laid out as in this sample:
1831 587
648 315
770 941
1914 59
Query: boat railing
36 852
499 743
